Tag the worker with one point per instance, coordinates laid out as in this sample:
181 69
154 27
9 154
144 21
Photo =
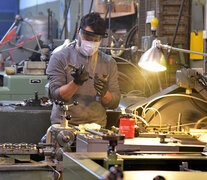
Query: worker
94 82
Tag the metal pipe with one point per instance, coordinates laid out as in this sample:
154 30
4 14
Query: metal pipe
8 31
38 43
205 40
205 16
28 49
167 47
179 122
111 48
109 25
91 6
94 132
67 7
17 18
125 49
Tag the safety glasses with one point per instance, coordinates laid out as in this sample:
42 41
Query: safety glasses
91 36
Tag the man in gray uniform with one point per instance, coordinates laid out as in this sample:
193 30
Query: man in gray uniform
94 84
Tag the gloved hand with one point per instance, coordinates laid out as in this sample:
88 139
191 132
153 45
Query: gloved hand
80 75
101 84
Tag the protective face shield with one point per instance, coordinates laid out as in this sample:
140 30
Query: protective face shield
89 42
91 36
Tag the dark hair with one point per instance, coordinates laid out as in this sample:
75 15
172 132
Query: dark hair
95 22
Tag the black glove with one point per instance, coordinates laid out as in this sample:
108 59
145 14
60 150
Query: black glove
101 84
80 75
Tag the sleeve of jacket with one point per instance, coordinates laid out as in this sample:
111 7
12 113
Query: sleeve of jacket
56 75
113 85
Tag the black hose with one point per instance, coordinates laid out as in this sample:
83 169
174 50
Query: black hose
130 35
91 6
65 17
106 13
176 29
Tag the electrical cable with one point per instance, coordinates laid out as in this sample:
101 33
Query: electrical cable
38 43
141 118
199 121
187 124
130 35
139 107
154 109
139 72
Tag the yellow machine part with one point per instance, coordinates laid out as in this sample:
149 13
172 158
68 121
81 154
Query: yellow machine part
196 44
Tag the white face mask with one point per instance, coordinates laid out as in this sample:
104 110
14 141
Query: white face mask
88 48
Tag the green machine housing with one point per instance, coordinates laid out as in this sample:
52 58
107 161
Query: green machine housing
20 87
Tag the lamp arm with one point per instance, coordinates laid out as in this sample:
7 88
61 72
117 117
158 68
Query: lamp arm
37 40
167 47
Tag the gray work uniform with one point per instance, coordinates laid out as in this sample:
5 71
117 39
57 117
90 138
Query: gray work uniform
88 110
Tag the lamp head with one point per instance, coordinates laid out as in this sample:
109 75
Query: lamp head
153 59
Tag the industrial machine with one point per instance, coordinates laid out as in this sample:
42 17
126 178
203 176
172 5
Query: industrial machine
18 87
24 121
159 149
169 134
166 143
21 64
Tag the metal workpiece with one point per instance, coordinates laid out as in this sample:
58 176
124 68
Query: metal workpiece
46 149
18 148
74 69
107 136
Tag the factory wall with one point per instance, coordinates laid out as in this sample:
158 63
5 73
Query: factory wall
33 8
8 11
77 9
